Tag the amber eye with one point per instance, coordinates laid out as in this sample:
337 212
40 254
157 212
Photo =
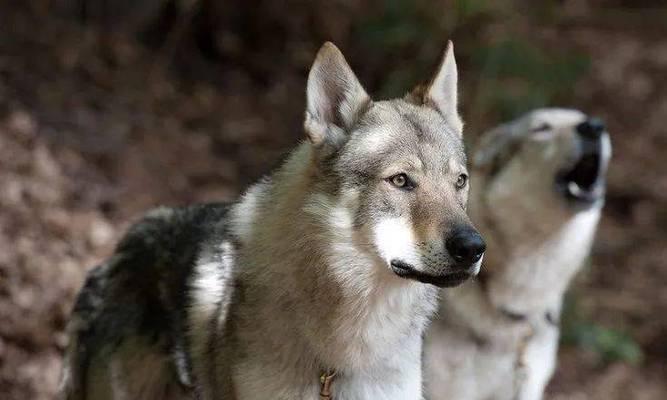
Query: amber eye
462 181
401 181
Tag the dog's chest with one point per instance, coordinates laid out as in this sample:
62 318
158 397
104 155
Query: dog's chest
518 372
388 337
497 366
256 382
375 356
405 384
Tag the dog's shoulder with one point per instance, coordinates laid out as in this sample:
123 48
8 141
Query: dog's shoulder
140 294
153 264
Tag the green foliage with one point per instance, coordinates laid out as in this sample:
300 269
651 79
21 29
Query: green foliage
465 9
514 72
516 75
609 344
400 30
399 23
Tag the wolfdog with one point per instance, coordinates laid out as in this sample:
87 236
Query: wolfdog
318 283
540 184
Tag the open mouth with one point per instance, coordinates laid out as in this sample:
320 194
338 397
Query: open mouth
405 270
583 182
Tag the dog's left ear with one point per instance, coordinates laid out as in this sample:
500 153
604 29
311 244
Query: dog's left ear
334 97
441 92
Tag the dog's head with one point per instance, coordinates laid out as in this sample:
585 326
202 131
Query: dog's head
558 155
393 173
540 186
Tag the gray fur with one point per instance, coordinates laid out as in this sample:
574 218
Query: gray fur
497 338
255 300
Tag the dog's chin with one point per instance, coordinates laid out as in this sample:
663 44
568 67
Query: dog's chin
407 271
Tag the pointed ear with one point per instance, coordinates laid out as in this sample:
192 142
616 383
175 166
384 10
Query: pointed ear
334 98
491 145
496 147
442 91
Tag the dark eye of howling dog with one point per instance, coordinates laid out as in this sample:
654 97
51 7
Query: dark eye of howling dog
401 181
462 181
541 128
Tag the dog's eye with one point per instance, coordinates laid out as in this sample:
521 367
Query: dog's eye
542 128
401 181
462 181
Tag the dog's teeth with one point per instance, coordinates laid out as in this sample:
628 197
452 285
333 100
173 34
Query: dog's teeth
574 189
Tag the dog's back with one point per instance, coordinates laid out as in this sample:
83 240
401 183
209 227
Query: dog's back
129 315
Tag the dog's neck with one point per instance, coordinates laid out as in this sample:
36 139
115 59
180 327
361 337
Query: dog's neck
522 288
315 287
534 278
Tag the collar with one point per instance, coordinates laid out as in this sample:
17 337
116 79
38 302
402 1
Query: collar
326 380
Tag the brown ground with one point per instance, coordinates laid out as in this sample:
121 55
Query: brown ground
92 133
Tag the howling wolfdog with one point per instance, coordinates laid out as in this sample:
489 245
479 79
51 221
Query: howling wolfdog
539 189
318 283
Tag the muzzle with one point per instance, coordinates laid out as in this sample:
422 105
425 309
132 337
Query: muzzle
584 181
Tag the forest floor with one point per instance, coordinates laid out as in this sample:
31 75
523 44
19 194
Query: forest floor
91 138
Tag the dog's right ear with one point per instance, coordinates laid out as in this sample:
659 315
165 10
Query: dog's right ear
334 97
496 147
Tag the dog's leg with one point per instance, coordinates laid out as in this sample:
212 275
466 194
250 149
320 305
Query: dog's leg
540 362
134 370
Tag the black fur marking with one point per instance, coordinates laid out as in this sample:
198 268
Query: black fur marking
552 318
141 292
416 126
405 270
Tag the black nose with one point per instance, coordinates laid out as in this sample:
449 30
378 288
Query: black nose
466 246
591 128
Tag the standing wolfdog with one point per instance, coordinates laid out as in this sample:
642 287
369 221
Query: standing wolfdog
540 184
319 282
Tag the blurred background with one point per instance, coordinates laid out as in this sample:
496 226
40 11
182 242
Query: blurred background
109 107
